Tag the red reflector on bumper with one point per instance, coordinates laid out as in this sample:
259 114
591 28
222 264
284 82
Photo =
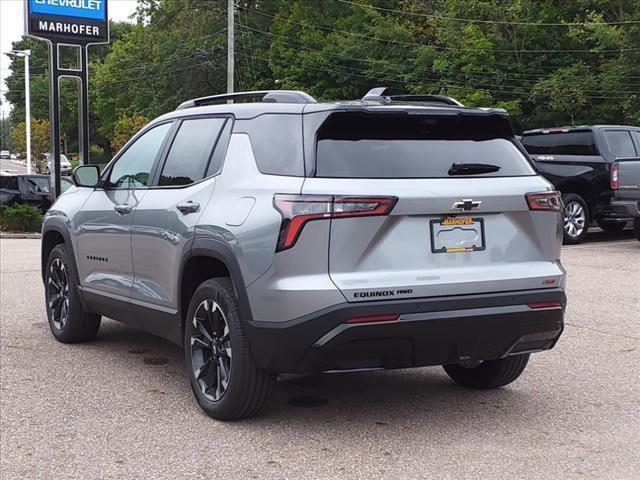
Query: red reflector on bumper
538 305
373 319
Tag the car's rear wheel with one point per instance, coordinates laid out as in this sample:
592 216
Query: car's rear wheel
489 374
224 379
636 227
611 225
576 218
68 321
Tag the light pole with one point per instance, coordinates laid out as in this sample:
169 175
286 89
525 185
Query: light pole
27 101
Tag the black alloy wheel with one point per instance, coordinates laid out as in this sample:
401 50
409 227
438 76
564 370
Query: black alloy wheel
223 375
58 294
68 320
211 350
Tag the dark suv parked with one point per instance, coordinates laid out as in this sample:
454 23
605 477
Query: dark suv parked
28 189
578 160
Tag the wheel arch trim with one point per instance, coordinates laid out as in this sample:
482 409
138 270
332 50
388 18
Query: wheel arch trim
59 227
217 250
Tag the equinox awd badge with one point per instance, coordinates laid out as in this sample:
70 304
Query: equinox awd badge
466 204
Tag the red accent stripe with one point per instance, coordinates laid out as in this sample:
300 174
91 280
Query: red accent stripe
373 318
538 305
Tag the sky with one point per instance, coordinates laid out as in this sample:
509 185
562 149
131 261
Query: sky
12 28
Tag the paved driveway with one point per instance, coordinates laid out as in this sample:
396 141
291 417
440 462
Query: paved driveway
121 407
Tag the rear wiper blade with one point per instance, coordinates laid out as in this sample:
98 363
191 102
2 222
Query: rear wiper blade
472 168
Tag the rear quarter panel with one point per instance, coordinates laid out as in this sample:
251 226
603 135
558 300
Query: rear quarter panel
586 175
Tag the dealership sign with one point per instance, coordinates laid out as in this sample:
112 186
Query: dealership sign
75 22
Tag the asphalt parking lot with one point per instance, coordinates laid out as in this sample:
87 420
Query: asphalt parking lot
121 407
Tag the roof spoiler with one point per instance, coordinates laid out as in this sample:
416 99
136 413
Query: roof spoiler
380 94
266 96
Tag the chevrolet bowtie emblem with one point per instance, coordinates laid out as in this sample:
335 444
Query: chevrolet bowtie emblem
466 204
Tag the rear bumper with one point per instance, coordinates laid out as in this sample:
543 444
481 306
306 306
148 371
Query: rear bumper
627 208
432 331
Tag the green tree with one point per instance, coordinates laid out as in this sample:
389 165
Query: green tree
40 141
125 128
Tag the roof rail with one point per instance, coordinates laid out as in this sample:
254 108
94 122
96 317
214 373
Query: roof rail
267 96
380 94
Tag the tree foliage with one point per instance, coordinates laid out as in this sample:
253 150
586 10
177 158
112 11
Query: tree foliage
125 128
40 141
548 63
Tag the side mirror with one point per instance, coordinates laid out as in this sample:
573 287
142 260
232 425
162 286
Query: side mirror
86 175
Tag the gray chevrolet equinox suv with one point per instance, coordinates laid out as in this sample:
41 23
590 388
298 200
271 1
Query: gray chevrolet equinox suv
283 235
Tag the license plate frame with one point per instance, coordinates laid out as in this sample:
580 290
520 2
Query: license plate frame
457 221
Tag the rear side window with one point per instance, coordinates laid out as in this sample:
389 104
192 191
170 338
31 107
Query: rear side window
276 140
9 183
38 184
620 143
360 145
190 151
561 143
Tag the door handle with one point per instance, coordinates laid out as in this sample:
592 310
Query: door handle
188 207
123 209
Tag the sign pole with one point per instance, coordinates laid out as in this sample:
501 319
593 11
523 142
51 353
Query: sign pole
54 115
67 24
27 108
84 107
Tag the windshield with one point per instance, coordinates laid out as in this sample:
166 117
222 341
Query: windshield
561 143
394 146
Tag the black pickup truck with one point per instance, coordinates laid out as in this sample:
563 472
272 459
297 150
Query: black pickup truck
578 161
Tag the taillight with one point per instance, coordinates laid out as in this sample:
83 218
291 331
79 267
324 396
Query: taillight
298 210
550 201
615 169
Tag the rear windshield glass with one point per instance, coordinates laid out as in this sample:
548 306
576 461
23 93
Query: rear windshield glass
560 143
360 145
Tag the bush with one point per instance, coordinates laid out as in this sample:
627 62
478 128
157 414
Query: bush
20 218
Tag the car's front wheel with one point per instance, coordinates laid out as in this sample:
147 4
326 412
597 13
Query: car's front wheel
224 379
576 218
636 227
68 321
489 374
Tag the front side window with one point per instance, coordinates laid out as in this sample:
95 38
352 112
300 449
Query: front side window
620 143
191 150
132 168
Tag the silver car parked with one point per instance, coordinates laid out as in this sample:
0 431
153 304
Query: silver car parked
285 235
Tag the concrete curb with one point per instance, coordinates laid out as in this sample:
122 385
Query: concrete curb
19 235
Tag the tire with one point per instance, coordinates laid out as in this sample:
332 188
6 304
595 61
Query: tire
611 225
576 219
68 321
489 374
636 227
220 339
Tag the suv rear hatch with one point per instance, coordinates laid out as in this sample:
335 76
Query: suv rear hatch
459 223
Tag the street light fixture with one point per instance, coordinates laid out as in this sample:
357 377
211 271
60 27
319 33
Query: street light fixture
27 100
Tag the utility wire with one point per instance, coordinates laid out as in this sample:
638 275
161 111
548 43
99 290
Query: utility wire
439 75
496 22
455 49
